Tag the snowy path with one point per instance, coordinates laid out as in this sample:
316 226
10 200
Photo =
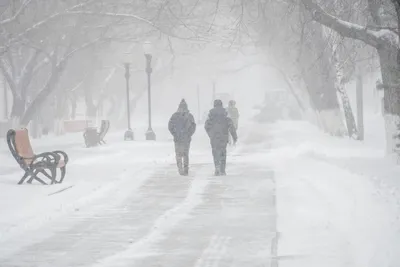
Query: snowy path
163 219
293 197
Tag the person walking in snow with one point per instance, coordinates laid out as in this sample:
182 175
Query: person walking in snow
218 127
233 113
182 127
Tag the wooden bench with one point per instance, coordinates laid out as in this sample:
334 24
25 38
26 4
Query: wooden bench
94 138
44 164
75 126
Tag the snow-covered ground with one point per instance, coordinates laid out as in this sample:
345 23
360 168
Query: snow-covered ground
135 209
337 200
91 174
293 197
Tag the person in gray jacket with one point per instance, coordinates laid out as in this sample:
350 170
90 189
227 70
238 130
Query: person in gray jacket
233 113
182 126
218 127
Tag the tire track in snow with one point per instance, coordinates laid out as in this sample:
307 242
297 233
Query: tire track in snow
120 189
162 226
214 252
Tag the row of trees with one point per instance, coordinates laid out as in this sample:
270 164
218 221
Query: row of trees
322 45
70 48
375 24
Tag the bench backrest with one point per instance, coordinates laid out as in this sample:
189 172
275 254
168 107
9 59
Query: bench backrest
20 146
105 126
75 126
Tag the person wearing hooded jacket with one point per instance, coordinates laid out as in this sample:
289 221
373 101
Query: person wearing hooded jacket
218 127
182 127
233 113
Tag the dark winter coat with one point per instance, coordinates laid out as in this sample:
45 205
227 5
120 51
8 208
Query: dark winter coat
218 127
182 126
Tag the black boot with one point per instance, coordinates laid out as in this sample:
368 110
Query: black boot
222 169
223 162
186 164
217 170
180 168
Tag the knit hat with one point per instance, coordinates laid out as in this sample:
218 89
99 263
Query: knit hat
183 105
217 103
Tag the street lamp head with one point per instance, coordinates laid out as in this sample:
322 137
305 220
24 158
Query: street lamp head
148 53
148 48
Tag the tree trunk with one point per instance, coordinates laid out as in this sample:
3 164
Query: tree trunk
5 96
348 112
360 107
73 106
41 98
291 89
319 78
59 126
18 108
35 127
113 108
391 100
91 108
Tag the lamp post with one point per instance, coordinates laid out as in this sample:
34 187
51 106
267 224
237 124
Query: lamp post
5 95
147 47
198 104
360 106
213 91
129 133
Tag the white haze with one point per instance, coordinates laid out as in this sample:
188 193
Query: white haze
300 191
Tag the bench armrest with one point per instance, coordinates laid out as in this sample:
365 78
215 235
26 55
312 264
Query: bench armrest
48 158
63 154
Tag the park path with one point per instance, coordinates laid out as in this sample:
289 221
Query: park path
159 218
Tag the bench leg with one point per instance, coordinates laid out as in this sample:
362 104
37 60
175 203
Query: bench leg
34 176
53 175
23 178
63 172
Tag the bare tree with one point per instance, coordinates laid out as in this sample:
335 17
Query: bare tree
383 36
40 37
